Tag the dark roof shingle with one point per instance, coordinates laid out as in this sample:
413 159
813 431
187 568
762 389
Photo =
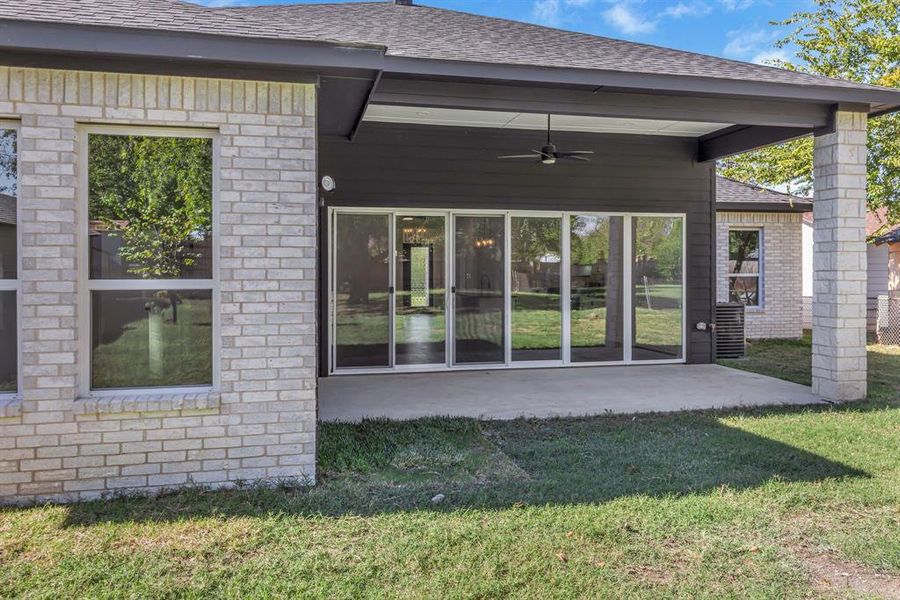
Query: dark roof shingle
410 31
729 191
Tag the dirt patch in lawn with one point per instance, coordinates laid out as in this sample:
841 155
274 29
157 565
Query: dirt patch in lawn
830 574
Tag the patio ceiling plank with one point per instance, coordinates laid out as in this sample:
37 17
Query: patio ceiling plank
601 102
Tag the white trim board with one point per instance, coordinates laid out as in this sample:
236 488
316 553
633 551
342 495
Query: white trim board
13 285
86 285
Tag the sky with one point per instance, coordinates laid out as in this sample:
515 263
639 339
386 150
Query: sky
737 29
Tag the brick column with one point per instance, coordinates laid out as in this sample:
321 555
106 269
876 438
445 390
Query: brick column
839 260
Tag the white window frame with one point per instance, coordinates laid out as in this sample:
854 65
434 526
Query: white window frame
88 285
760 280
449 223
13 285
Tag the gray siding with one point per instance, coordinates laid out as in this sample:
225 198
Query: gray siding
877 278
454 167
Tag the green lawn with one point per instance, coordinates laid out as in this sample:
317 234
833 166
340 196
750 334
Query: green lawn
184 351
763 503
532 327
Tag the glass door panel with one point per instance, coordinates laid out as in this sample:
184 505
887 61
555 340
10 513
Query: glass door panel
420 323
536 317
596 288
657 289
479 294
361 286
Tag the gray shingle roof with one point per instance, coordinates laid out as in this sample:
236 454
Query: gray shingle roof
729 191
891 237
168 15
409 31
7 210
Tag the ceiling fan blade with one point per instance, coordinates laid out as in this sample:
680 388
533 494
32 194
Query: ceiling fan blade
521 156
570 157
544 154
575 152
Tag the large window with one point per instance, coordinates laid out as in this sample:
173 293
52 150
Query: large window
448 289
150 259
745 266
8 260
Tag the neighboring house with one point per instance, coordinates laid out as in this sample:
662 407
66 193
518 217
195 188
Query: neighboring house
758 256
882 263
338 198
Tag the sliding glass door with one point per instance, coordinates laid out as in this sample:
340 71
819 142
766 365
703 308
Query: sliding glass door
440 289
420 329
657 288
596 288
479 291
362 307
536 259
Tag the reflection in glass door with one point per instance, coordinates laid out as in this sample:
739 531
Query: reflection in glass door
596 290
536 316
479 294
420 320
525 287
362 290
657 288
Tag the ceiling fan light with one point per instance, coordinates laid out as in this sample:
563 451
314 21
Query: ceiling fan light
548 160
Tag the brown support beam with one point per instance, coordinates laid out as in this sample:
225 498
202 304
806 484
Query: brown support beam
365 105
742 138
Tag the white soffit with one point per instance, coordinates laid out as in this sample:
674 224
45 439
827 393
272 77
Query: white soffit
511 120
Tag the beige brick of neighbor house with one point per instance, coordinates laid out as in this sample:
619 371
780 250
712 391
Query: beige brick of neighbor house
779 313
259 421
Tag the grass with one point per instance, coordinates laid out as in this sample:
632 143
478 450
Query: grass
185 351
732 504
533 327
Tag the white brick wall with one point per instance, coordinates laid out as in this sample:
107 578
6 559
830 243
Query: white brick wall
260 421
839 260
780 314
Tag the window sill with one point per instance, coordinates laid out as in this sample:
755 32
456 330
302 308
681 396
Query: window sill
10 406
145 402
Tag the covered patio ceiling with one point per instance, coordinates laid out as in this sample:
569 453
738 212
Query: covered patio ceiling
423 115
722 124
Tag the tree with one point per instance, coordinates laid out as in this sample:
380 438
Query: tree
155 193
8 162
858 40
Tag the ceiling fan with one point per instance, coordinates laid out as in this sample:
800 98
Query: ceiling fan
548 154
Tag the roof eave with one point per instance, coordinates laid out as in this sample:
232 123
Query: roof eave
326 57
881 100
84 42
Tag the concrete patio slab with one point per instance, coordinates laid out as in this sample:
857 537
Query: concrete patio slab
545 393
